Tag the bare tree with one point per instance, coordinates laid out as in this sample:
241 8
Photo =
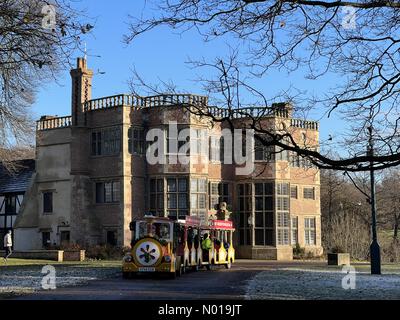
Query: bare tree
345 214
37 39
390 202
356 40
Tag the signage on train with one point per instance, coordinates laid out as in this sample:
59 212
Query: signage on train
220 224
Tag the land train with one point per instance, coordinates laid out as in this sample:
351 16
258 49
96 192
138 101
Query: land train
172 247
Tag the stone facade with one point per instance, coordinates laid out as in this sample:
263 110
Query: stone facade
95 168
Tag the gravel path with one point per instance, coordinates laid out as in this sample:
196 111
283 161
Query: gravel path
301 284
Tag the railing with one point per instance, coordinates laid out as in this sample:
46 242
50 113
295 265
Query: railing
261 112
113 101
239 113
249 112
143 102
175 99
54 123
304 124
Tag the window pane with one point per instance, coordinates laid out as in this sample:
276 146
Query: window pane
160 185
172 185
182 201
259 189
99 192
160 201
193 201
241 204
226 189
193 185
241 220
182 185
241 189
153 199
269 203
308 193
259 234
248 204
171 201
94 143
259 203
269 220
294 237
214 201
202 201
279 203
47 202
248 189
259 220
286 204
293 192
214 188
269 188
283 220
202 185
269 237
153 185
108 192
116 192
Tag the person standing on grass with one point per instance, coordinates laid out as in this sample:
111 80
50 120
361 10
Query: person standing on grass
8 245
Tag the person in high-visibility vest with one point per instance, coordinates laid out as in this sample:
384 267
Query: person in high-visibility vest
206 243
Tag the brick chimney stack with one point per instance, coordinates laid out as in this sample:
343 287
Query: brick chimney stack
81 91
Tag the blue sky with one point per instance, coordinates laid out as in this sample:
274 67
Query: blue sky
159 54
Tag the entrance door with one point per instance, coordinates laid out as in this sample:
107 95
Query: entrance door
112 238
64 238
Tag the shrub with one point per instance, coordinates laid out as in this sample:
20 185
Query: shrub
105 252
298 252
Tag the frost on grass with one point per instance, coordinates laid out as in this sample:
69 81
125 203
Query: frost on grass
20 280
297 284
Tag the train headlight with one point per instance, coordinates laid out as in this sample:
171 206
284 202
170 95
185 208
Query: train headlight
128 258
167 259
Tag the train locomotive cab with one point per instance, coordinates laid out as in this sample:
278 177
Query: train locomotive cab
154 248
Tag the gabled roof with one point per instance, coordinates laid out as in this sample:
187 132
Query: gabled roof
18 180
